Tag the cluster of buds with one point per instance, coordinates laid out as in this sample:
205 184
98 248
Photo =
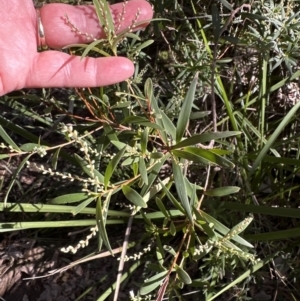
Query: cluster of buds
82 243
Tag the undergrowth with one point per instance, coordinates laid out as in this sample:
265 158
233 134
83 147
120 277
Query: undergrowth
200 150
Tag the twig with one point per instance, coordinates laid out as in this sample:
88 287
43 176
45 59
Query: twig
122 258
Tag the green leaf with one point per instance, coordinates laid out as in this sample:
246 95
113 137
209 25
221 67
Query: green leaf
183 275
14 178
202 138
71 198
254 16
152 283
287 118
7 139
199 155
143 45
143 170
141 121
162 207
132 196
148 89
199 115
222 191
170 250
42 208
153 175
224 230
54 158
29 147
160 253
190 157
204 225
226 4
171 198
11 226
144 140
184 115
172 229
267 210
92 46
104 16
82 206
101 217
168 125
119 105
112 165
156 155
112 137
181 189
275 235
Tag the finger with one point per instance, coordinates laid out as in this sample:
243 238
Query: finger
58 69
59 34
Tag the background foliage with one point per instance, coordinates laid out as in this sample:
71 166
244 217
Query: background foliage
197 155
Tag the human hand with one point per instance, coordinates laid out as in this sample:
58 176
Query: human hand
21 66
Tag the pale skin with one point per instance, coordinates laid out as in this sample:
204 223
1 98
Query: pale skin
22 66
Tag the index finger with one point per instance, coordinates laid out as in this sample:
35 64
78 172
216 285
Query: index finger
59 34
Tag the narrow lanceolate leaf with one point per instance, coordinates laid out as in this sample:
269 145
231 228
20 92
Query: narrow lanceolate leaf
144 140
288 117
227 4
222 191
183 275
279 211
172 229
54 158
152 283
101 216
202 138
132 196
82 205
70 198
5 227
153 175
143 170
181 190
143 45
91 47
112 165
141 121
202 156
154 107
162 207
104 15
29 147
168 125
170 250
185 112
190 157
14 178
7 139
276 235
